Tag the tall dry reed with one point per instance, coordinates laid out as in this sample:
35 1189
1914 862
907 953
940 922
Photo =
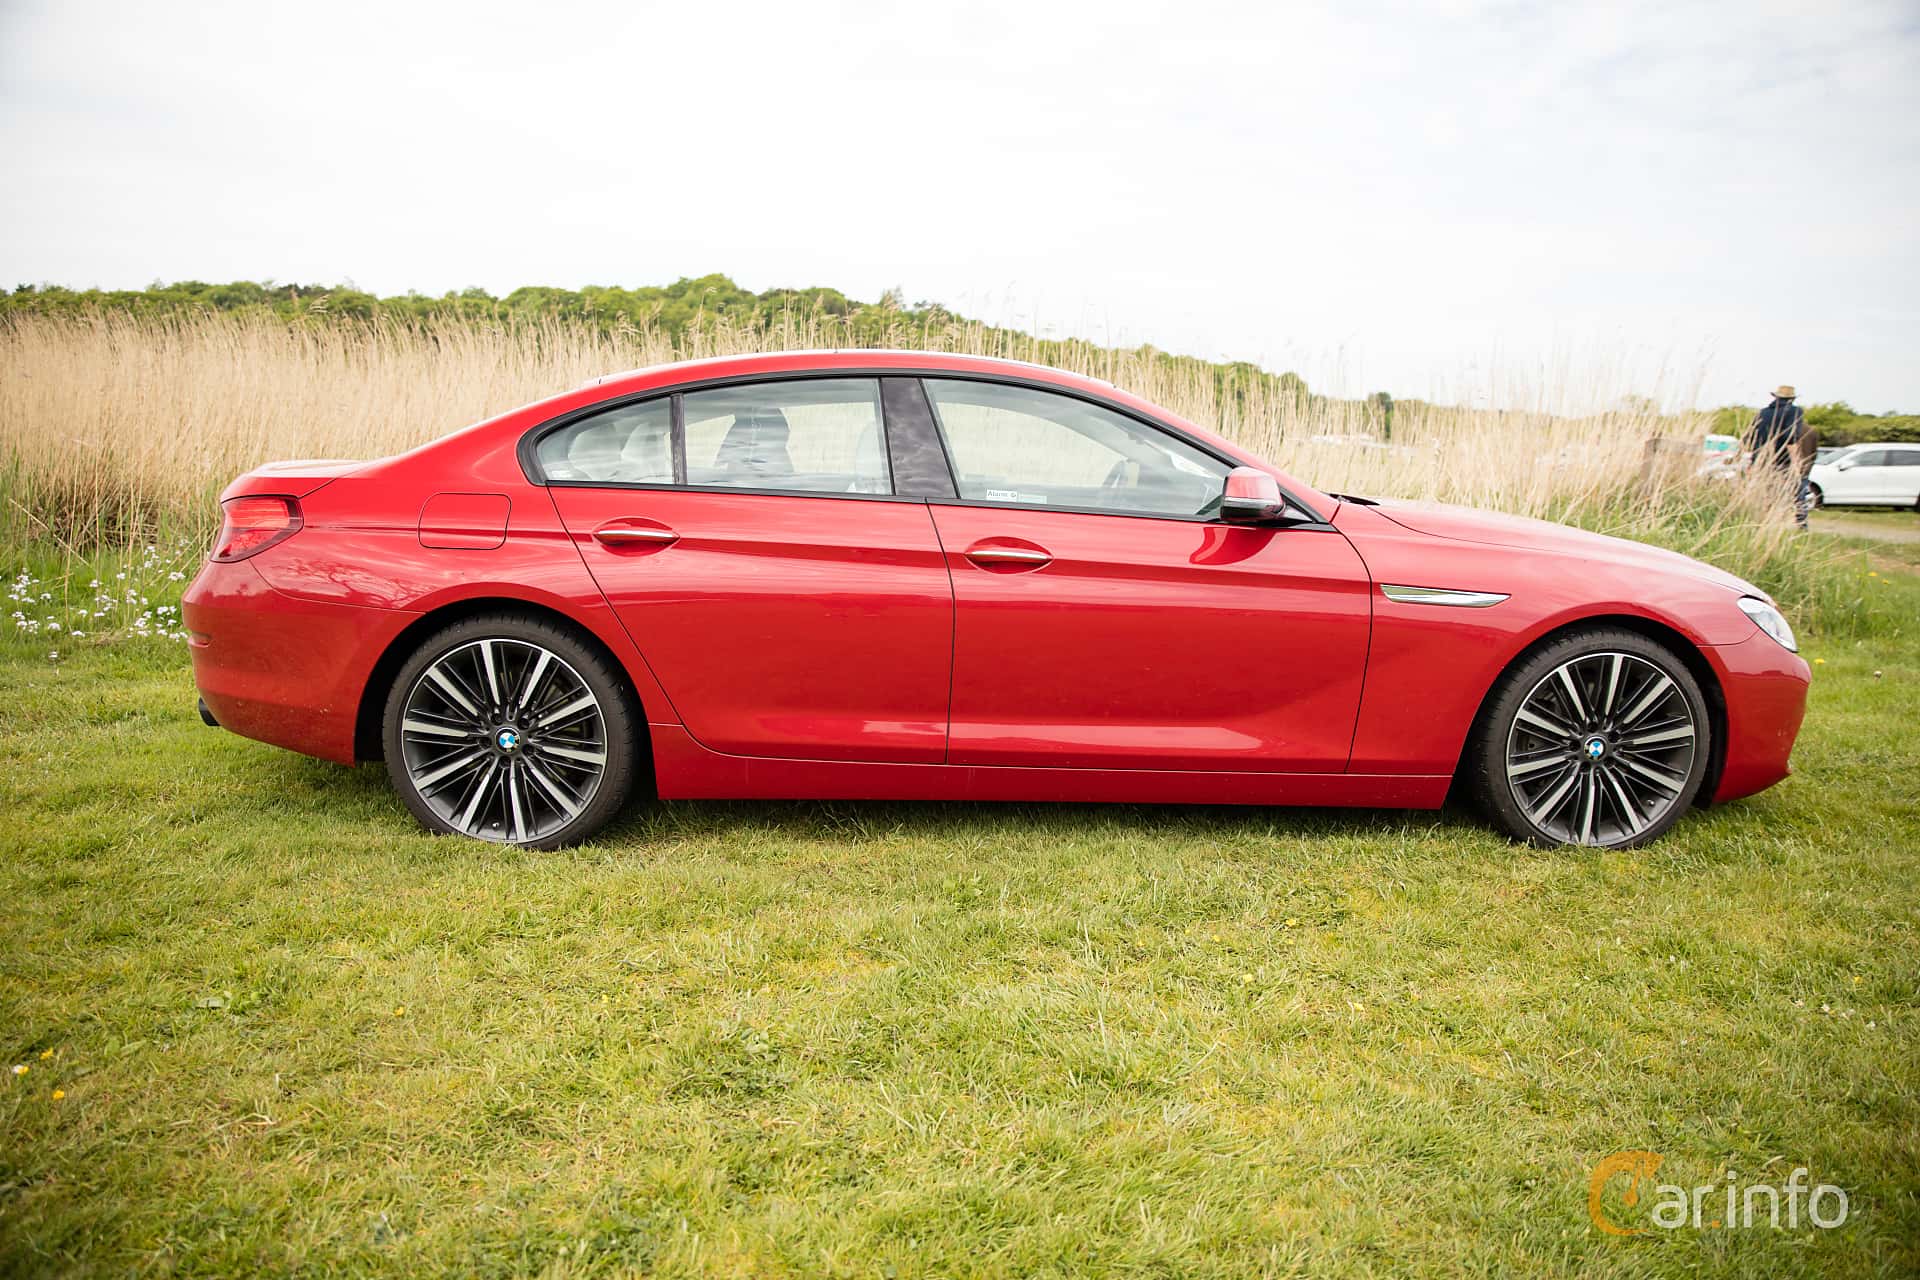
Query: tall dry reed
114 427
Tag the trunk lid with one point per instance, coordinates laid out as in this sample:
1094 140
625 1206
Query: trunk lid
294 479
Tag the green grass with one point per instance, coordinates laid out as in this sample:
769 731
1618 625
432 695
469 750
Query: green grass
295 1034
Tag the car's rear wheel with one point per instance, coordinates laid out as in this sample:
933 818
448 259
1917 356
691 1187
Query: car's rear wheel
1601 738
511 729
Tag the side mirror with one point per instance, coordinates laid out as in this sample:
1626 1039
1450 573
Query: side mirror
1251 497
1845 464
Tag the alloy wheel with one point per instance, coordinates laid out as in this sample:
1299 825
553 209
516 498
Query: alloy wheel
1601 749
503 740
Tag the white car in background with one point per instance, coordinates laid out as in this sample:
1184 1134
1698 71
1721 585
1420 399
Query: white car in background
1869 475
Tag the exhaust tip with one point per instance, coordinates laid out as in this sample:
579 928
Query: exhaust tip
206 716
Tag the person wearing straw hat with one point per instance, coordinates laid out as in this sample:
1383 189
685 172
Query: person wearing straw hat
1781 440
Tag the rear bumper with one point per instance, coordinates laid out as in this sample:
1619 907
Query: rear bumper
1766 692
278 669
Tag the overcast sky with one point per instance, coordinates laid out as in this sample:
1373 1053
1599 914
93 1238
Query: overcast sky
1445 201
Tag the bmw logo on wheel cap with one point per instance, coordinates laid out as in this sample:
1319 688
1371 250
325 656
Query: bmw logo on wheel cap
1596 747
509 740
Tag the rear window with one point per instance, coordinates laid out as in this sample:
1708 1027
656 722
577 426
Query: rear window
820 435
815 435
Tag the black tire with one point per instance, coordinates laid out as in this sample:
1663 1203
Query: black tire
1651 766
1815 499
449 731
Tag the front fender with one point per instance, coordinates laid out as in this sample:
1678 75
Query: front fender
1429 667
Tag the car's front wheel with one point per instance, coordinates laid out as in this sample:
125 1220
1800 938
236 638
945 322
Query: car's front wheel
509 728
1600 738
1815 498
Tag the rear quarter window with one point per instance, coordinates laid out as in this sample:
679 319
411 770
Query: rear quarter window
629 444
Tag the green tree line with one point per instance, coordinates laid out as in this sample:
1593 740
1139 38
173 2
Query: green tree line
685 305
1838 423
674 307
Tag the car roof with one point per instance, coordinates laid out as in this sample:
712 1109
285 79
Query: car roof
879 360
827 358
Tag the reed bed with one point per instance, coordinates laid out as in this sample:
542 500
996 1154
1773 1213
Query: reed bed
116 430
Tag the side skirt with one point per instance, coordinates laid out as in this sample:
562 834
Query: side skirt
685 770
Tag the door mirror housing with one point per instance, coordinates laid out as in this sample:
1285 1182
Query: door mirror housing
1251 496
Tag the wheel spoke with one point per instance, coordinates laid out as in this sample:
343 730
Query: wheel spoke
513 797
1675 734
1546 808
1658 779
1656 689
1623 801
451 687
1526 768
493 674
530 685
1589 801
1613 684
582 754
480 792
585 702
467 761
1544 724
553 789
1568 683
433 729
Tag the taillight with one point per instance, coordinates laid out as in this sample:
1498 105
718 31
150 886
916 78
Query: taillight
249 526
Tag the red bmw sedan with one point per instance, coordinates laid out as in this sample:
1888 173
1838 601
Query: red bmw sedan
896 575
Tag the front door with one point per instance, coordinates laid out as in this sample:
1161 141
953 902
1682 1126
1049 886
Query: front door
749 541
1104 621
1863 479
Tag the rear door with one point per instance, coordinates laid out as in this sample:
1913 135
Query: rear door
1105 619
1903 475
750 539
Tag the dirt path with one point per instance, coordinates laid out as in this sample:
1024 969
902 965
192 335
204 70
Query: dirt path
1878 529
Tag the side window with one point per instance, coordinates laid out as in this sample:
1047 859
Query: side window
816 434
1018 444
1870 458
1903 457
631 444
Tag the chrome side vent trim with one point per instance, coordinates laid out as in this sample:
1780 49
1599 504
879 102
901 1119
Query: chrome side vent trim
1442 595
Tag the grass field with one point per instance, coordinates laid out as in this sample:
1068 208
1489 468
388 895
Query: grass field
268 1025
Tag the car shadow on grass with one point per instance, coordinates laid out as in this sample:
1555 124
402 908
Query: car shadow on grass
303 789
297 784
1021 822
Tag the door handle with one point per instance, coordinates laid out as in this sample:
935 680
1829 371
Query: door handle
615 535
986 553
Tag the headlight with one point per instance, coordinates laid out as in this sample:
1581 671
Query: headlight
1769 620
